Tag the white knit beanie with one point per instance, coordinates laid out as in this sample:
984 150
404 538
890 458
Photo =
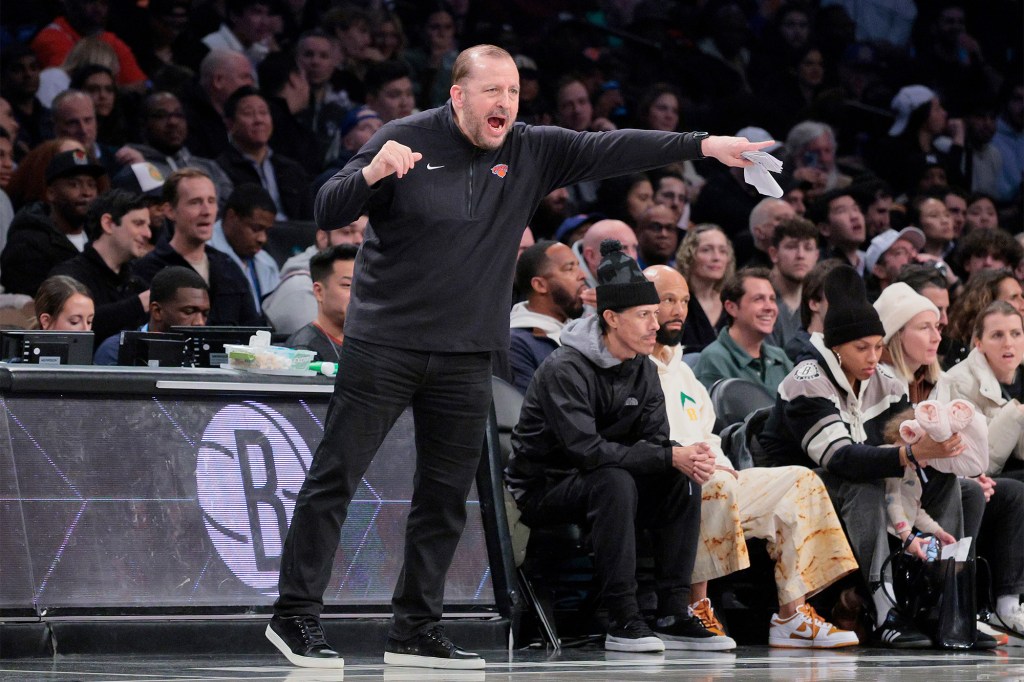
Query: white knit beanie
896 306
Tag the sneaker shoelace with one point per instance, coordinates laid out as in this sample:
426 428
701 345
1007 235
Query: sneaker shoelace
437 634
312 632
706 615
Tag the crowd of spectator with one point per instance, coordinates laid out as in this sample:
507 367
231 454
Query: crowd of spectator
149 150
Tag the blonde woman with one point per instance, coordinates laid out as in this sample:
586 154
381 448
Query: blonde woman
56 79
706 259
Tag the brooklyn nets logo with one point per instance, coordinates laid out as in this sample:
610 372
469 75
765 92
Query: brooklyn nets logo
250 466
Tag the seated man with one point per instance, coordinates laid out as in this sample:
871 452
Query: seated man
331 271
592 445
249 157
292 304
787 506
192 203
550 277
741 350
47 233
178 297
241 234
118 224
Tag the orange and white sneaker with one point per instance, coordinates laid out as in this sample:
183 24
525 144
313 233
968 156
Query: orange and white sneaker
706 613
807 630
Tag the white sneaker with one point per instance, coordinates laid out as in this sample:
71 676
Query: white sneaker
1012 624
807 630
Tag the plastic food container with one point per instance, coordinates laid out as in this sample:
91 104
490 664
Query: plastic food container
263 358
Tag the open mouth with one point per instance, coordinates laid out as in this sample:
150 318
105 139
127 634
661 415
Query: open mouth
496 123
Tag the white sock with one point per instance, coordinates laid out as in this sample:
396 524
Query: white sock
1007 604
882 603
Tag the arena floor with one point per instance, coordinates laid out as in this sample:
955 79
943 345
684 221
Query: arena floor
747 663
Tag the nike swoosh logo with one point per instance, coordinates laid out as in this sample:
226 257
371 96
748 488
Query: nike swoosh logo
429 167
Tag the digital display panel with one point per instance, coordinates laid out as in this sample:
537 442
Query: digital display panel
182 501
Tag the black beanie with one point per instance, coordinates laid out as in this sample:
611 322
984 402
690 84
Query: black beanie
849 315
620 283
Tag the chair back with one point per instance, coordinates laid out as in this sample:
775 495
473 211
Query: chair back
733 399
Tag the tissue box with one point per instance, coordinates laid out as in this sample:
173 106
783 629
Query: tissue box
267 357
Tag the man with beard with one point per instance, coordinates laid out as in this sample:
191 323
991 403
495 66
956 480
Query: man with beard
454 186
740 349
165 129
46 233
550 277
793 252
787 506
118 225
592 446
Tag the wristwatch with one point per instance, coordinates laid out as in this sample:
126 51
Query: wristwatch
699 137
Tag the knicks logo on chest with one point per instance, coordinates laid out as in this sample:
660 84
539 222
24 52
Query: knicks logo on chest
501 170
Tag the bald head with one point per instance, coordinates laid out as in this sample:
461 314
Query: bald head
74 116
675 300
765 217
222 72
473 56
606 229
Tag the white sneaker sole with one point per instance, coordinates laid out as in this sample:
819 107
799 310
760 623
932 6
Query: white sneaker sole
715 644
411 661
808 644
646 645
302 661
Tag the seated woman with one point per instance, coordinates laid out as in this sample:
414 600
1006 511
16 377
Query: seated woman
830 413
985 287
993 507
991 378
64 304
706 260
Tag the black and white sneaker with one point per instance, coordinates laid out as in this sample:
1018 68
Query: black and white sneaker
301 640
687 633
633 635
899 632
430 649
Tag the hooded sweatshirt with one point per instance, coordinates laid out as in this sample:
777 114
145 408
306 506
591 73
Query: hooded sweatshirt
587 409
534 337
291 306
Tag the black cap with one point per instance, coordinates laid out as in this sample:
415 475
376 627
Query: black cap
70 163
140 178
620 283
849 315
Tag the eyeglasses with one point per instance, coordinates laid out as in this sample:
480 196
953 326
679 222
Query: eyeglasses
660 227
161 115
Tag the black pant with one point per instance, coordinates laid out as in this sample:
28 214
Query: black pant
614 503
450 397
998 531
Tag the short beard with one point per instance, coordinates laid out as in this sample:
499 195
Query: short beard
571 306
666 337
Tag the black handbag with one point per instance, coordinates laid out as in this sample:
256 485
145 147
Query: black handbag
939 596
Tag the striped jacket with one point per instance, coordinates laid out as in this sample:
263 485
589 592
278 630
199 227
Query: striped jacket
818 421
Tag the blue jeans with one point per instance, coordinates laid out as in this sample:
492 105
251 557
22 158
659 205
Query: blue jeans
450 395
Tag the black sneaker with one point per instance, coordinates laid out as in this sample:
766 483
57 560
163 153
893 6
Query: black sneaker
984 641
301 640
632 635
899 632
430 649
688 633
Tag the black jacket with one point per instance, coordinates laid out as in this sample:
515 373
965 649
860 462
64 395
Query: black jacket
293 183
116 295
34 247
230 298
585 409
435 271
